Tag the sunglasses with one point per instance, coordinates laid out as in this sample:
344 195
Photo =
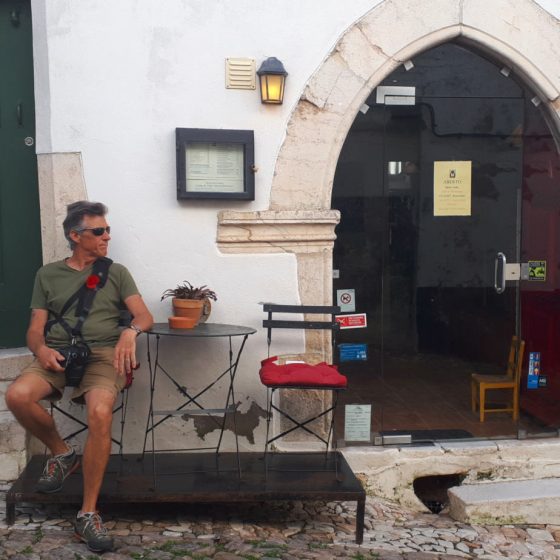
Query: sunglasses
97 231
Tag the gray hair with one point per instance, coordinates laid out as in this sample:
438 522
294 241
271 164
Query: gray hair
75 214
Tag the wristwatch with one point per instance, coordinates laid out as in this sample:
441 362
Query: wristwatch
138 330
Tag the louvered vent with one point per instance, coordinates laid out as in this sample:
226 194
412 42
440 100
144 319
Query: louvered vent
240 73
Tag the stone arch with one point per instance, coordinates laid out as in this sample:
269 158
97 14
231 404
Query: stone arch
519 33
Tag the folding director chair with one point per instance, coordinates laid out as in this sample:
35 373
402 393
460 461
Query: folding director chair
121 405
301 375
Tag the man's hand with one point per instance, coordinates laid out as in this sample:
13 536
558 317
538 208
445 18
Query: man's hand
49 358
125 352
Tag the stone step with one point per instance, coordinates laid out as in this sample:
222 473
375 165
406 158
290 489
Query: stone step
503 503
12 447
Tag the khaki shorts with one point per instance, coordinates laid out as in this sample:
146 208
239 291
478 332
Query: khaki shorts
100 373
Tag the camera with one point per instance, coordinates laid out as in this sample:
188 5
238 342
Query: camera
75 360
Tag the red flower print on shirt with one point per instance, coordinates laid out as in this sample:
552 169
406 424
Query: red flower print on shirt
92 281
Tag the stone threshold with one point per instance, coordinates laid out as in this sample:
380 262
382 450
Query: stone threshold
390 472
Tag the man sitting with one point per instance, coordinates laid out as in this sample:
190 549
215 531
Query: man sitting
113 355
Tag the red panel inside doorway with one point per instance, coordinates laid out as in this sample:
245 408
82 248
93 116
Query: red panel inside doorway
540 300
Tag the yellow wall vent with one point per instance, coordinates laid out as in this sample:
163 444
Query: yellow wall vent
240 73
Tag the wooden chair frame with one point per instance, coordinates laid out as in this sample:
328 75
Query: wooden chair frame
480 384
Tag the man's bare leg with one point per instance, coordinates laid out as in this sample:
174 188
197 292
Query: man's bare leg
98 444
22 399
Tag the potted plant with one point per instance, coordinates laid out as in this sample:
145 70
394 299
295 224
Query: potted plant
190 302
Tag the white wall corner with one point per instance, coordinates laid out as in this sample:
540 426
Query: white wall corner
61 182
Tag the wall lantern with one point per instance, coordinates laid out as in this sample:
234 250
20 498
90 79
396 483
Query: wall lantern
272 76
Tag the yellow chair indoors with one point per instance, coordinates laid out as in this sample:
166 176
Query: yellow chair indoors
510 381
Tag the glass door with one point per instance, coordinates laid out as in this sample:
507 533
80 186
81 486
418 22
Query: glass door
452 192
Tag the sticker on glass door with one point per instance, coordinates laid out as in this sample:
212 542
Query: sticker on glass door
346 300
537 271
452 188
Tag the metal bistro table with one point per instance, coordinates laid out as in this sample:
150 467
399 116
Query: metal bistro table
204 330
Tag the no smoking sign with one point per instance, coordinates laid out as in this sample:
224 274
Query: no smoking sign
346 300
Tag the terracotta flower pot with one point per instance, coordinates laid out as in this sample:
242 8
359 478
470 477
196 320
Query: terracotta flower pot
188 308
206 309
181 322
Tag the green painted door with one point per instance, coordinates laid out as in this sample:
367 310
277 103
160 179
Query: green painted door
20 233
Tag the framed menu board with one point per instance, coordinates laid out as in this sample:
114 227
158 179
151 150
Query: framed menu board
215 163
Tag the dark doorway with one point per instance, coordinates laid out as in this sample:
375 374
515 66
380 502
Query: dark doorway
419 240
20 234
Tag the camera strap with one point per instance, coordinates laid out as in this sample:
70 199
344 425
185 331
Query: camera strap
85 296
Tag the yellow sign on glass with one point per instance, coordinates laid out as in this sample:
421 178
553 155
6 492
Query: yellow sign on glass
452 188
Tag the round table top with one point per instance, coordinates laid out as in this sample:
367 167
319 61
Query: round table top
202 330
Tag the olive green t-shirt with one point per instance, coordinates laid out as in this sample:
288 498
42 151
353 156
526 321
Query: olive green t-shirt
56 282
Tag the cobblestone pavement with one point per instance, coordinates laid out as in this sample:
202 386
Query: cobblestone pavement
293 530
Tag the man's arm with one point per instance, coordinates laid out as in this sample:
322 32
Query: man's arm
125 350
48 357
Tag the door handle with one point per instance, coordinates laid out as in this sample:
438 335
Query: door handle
500 273
19 114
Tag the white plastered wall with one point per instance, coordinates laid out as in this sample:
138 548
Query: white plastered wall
113 80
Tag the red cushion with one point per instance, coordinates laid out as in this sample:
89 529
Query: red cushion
300 374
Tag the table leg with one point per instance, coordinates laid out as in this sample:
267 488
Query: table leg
231 398
150 419
10 511
152 367
360 515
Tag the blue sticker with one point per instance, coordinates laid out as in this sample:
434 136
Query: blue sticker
534 370
352 352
